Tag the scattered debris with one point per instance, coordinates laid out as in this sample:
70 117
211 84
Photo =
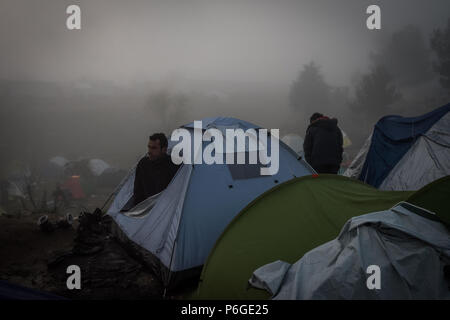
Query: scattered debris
107 269
47 226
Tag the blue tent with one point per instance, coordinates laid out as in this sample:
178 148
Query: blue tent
405 153
175 230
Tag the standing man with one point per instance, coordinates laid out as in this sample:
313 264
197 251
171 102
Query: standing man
154 171
323 144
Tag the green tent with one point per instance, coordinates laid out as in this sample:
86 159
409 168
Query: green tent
434 197
283 224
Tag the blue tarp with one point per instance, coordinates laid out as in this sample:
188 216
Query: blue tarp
392 137
182 225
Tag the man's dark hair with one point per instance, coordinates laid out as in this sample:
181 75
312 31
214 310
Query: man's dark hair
161 137
315 116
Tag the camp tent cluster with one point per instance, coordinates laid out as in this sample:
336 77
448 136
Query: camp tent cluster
81 177
222 223
290 220
287 222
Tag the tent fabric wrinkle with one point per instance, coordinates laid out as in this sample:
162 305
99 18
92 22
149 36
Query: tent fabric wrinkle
410 250
287 221
179 227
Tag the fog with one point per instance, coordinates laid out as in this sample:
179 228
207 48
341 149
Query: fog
138 67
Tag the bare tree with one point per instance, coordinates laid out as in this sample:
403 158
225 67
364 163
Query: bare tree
309 93
406 56
374 94
440 43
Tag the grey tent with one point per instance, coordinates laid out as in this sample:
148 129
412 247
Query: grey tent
408 244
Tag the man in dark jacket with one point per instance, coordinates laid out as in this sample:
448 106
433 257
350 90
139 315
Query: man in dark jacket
323 144
154 171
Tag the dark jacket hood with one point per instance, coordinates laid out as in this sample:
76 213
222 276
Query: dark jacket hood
326 123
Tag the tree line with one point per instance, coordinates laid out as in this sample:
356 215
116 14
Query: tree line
409 75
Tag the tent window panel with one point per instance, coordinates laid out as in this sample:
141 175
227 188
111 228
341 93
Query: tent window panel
245 171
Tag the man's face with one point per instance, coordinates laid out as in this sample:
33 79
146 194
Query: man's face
154 149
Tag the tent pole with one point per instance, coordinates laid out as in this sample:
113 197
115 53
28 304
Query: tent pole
176 238
108 199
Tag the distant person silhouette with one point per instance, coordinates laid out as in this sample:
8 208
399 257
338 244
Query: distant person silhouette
323 144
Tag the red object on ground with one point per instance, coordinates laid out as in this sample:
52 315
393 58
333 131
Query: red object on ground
315 175
73 185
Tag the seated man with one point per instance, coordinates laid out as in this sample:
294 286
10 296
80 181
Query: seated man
154 171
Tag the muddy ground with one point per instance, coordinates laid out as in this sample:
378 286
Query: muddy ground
34 259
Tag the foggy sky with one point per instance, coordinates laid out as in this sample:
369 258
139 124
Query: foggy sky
237 40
